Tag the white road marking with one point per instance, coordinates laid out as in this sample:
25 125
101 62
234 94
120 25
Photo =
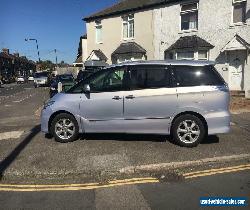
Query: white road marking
11 135
17 101
27 97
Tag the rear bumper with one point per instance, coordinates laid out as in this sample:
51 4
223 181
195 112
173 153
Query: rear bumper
218 122
42 82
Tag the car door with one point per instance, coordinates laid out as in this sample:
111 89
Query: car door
102 109
151 101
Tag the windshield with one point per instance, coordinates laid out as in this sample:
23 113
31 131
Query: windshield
41 74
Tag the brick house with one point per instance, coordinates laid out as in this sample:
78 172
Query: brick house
12 65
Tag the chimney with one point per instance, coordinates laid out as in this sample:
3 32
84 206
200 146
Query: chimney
6 51
16 54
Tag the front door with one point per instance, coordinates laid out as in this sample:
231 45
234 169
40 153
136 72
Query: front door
102 109
151 102
237 60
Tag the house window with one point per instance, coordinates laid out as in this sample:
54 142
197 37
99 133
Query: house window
189 16
239 11
203 55
187 55
128 27
98 32
192 55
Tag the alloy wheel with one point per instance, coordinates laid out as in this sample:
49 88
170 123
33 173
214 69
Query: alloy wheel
188 131
65 129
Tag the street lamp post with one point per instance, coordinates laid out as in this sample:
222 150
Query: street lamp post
56 56
36 47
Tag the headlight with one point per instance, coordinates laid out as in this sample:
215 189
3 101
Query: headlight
47 104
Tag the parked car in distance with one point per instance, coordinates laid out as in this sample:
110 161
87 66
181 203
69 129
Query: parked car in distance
31 78
185 99
41 79
67 81
21 80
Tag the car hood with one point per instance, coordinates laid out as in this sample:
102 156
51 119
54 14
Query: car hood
58 97
66 85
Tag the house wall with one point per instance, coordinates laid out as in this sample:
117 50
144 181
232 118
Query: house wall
84 50
112 34
214 25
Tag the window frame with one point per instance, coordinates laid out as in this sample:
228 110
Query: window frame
87 81
203 59
188 12
196 54
98 26
127 21
235 2
109 71
176 55
211 68
147 67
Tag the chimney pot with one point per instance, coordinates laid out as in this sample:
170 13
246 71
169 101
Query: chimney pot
5 50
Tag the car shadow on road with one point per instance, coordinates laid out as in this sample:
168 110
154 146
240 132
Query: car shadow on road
211 140
6 162
125 137
140 137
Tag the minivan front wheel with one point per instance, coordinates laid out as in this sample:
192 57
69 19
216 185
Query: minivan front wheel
65 128
188 130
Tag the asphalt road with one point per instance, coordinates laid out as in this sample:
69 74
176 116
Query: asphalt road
28 157
172 195
26 154
13 88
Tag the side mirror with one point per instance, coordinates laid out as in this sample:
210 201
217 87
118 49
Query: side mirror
86 88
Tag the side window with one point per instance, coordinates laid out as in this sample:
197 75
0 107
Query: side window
103 81
108 81
188 76
146 77
158 77
137 78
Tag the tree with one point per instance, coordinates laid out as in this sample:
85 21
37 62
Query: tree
46 65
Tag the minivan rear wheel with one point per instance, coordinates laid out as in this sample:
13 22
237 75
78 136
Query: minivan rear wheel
188 130
64 128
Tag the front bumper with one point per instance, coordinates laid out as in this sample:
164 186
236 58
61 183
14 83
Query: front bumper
45 116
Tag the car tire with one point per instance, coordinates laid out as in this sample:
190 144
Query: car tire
64 128
188 130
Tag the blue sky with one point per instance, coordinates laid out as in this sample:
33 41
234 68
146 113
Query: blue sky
56 24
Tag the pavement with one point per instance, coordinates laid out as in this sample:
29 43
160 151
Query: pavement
27 156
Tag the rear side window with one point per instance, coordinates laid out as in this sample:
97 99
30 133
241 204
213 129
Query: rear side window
146 77
188 76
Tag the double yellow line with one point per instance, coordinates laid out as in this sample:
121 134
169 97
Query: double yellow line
75 187
114 183
216 171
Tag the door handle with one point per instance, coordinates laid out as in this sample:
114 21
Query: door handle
130 97
116 98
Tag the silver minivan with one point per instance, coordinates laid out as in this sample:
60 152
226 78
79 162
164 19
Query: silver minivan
185 99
